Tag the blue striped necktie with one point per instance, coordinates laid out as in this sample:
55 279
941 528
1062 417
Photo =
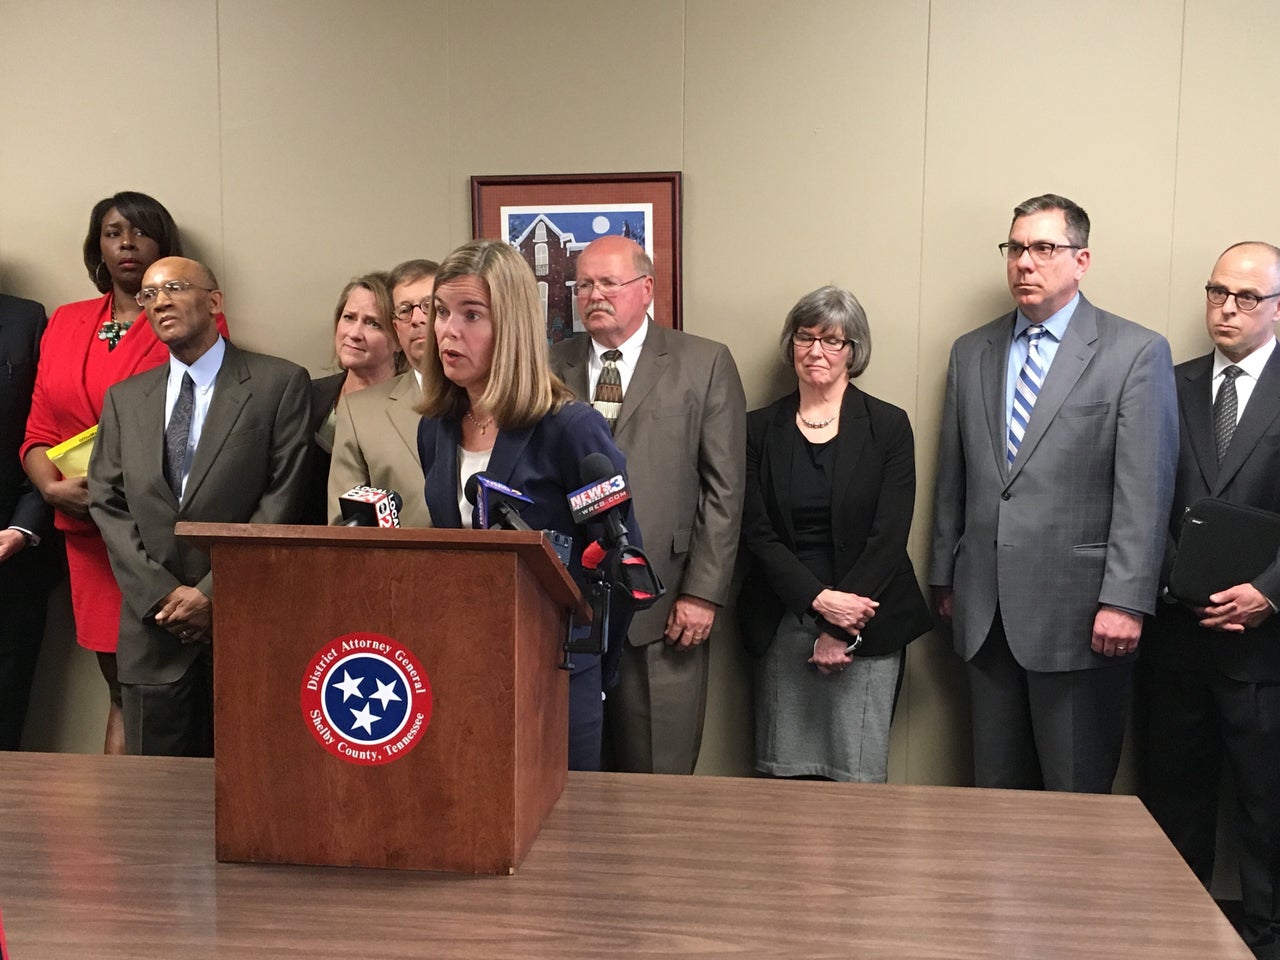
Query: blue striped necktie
1025 391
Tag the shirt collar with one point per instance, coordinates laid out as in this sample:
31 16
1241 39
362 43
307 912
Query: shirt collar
1252 365
630 348
205 370
1056 324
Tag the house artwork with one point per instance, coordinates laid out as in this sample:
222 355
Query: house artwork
553 255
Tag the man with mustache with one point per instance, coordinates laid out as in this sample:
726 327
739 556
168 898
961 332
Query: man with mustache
1209 677
217 434
1055 472
679 414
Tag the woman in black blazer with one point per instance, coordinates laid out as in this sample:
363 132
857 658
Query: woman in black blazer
830 600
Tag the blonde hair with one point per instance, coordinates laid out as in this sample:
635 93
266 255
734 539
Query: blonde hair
376 284
521 389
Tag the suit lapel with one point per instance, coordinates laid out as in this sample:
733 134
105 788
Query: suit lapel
404 419
855 431
1195 398
1259 413
442 473
654 357
151 425
993 365
780 448
508 449
577 359
1075 352
231 392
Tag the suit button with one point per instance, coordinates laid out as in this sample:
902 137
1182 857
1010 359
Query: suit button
1006 495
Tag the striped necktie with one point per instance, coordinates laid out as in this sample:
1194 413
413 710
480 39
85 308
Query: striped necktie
608 398
1025 391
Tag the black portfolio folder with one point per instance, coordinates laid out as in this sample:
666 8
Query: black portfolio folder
1221 544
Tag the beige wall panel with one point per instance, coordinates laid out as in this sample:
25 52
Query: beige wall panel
1078 99
804 148
335 151
86 112
561 87
1227 148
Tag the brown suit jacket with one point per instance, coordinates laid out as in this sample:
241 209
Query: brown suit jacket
682 427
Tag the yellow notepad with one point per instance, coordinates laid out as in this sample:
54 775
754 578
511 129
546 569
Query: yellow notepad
72 456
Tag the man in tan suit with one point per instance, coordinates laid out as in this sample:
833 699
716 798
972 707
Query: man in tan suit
682 424
376 439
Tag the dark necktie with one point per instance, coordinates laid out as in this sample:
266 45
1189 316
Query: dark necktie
1224 411
1025 391
176 435
608 398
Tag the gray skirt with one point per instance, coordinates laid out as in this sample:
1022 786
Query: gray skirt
809 725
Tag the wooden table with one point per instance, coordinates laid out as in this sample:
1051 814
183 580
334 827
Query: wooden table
112 857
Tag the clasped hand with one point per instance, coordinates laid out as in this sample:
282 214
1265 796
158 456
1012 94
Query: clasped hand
187 614
846 610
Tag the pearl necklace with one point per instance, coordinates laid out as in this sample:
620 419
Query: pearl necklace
818 424
483 426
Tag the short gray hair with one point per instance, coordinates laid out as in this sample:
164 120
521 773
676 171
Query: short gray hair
831 308
1073 214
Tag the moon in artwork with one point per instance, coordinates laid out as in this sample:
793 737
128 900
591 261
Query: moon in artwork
600 224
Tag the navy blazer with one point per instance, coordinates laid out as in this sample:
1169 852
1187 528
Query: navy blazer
871 505
544 463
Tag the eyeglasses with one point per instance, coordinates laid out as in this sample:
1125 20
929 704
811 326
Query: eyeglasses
147 295
607 288
829 344
1245 301
1042 251
404 312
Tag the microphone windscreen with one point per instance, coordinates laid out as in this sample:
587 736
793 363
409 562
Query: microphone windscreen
596 466
593 555
471 489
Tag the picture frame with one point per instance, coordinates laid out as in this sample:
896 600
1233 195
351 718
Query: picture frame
550 218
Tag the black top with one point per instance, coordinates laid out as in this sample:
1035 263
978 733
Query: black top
812 474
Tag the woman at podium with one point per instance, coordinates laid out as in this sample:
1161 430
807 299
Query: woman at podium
491 406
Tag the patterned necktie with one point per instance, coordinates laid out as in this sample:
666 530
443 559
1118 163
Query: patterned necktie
176 435
1025 391
608 398
1224 411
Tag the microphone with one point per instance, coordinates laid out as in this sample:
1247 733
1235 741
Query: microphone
496 504
604 492
365 506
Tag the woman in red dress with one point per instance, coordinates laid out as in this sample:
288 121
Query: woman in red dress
87 347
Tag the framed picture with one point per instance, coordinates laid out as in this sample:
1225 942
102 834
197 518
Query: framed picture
549 219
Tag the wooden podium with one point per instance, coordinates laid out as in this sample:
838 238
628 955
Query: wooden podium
483 613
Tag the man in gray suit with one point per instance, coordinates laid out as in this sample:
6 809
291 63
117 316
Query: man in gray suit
679 415
1209 679
1055 472
216 434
